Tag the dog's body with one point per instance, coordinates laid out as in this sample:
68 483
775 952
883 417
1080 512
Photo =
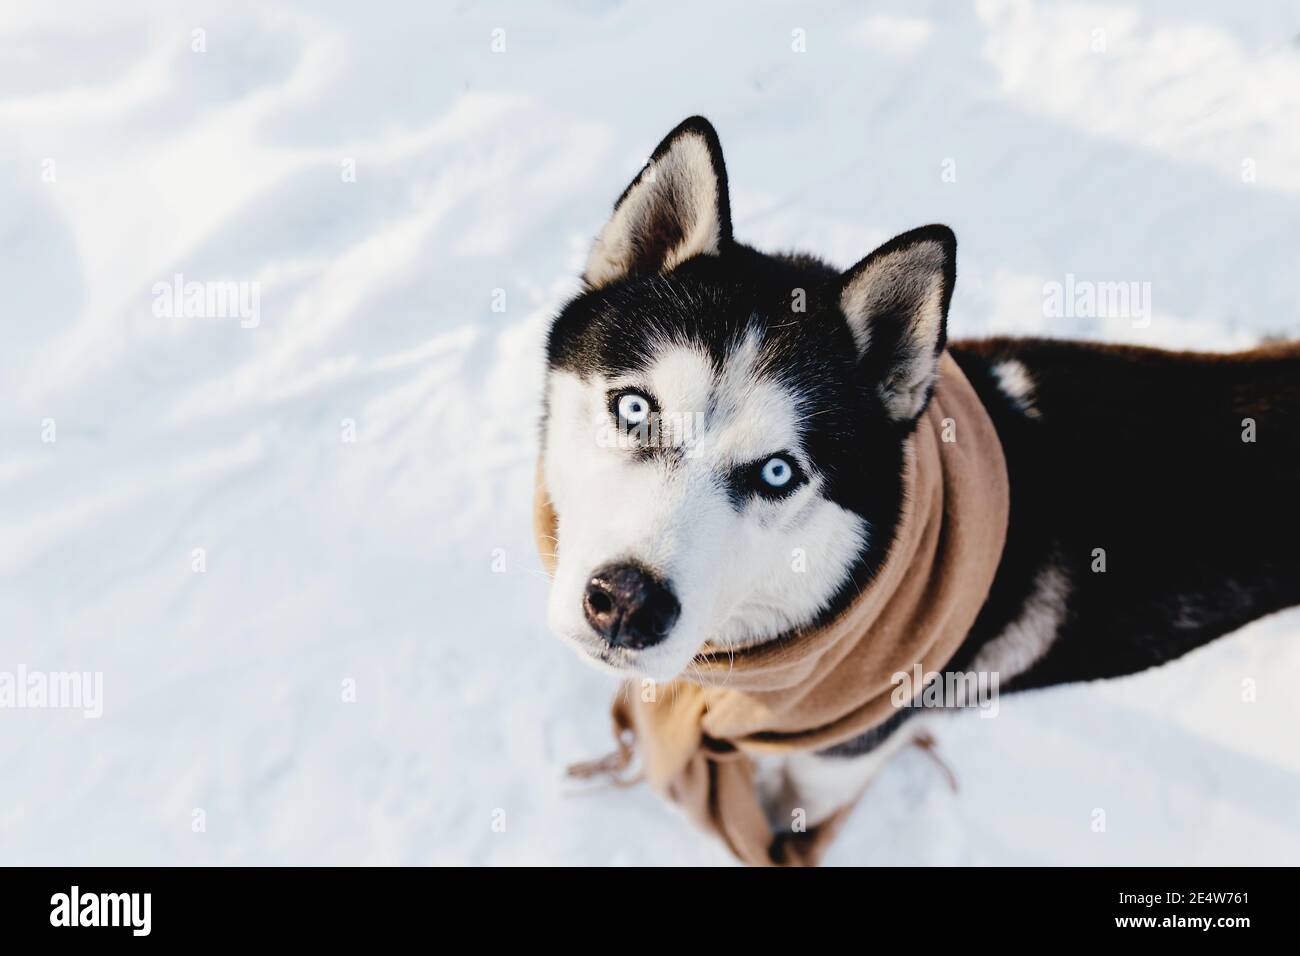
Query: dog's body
1152 504
1142 524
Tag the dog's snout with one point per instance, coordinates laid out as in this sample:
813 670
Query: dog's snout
629 606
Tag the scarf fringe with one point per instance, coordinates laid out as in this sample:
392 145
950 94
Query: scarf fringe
613 766
925 741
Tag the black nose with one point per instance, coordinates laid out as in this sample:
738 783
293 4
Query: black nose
629 606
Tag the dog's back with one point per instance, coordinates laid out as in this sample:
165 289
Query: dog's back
1157 488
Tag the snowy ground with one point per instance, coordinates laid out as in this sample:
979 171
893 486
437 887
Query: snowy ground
1171 154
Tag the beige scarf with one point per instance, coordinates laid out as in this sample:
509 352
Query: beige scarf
824 686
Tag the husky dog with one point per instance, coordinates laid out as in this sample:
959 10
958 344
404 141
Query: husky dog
712 410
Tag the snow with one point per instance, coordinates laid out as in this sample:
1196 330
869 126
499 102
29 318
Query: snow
1170 156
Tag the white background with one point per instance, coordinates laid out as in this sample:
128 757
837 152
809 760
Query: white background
475 171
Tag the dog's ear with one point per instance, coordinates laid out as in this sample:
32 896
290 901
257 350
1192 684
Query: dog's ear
896 302
676 208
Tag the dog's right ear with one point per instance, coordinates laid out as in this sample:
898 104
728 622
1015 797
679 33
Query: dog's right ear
676 208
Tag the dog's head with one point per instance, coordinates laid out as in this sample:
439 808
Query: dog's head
723 435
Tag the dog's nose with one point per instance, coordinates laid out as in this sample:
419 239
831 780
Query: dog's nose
629 606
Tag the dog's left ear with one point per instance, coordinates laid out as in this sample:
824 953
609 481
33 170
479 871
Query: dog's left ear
896 303
676 208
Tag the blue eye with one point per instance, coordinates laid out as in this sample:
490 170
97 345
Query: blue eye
774 477
776 472
633 408
635 413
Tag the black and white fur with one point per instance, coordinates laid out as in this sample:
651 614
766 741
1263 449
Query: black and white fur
749 358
